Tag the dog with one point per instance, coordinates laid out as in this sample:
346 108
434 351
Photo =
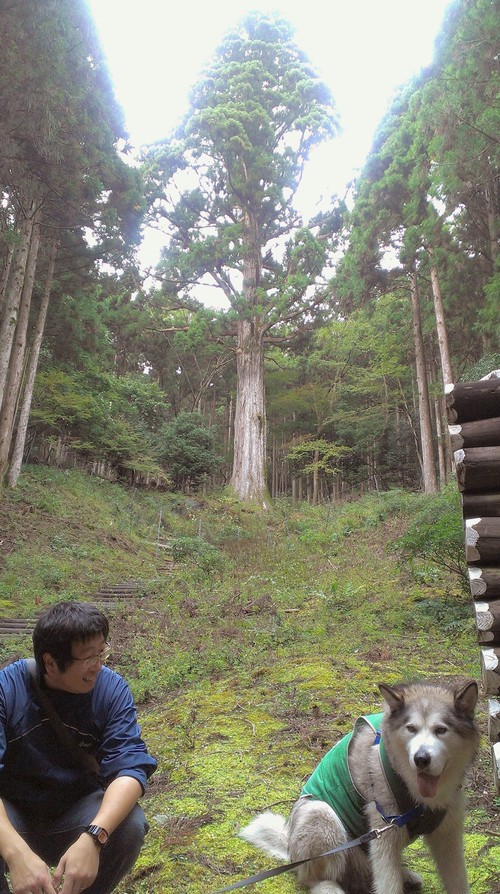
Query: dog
409 775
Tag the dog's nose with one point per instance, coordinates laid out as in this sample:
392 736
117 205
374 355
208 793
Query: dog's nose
422 758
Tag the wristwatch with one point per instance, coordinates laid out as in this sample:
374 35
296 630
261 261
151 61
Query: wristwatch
99 835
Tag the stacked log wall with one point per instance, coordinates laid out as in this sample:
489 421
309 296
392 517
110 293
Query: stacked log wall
473 411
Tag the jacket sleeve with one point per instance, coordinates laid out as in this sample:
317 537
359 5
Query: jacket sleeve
122 751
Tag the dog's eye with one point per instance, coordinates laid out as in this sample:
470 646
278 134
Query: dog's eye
441 730
412 728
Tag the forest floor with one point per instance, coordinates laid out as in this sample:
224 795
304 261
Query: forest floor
256 641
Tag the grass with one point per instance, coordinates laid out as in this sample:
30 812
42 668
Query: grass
250 656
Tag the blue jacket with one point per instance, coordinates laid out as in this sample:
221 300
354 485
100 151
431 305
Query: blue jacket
36 772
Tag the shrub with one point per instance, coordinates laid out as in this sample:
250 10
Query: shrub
436 535
187 450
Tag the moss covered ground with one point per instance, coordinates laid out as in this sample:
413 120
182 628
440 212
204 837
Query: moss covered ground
258 640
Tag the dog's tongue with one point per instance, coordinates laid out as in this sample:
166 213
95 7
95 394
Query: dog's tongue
427 785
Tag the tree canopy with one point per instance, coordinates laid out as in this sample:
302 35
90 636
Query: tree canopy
224 186
323 369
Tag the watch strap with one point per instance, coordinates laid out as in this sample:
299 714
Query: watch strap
99 834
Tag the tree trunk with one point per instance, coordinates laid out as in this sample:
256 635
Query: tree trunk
5 275
478 469
428 468
22 425
488 622
315 484
490 192
18 352
470 401
13 295
484 582
480 433
490 670
248 478
444 351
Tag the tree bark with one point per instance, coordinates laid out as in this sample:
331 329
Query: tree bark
481 505
249 473
5 275
428 468
470 401
18 353
441 433
484 581
478 469
442 335
482 540
490 670
248 478
490 192
22 425
488 622
13 295
480 433
315 479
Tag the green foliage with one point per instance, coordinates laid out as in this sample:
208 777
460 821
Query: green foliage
187 450
53 64
255 115
247 672
199 551
66 533
436 536
483 367
102 416
489 317
316 455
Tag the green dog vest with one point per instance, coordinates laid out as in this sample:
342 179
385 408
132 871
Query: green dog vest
331 782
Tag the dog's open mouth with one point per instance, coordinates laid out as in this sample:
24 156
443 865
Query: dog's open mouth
427 785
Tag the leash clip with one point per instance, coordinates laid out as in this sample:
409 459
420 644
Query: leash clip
377 833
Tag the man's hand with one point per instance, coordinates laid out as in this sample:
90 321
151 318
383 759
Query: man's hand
29 874
78 866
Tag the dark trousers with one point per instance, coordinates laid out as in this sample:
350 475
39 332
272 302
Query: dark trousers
51 838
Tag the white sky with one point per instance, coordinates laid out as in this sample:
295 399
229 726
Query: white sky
363 49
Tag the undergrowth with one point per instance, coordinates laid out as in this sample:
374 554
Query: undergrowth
259 639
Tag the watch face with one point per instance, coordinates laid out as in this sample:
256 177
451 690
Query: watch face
99 835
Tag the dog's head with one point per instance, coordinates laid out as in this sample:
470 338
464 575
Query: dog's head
432 728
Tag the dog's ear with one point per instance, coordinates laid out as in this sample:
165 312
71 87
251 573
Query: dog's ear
393 696
466 698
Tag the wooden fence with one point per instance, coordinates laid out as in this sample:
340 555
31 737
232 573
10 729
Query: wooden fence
473 411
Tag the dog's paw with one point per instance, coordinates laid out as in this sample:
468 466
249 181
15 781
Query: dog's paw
412 881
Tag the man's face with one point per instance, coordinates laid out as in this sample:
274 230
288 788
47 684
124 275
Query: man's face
79 676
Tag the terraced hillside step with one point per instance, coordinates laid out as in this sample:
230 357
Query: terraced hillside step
10 626
127 587
124 585
128 591
118 594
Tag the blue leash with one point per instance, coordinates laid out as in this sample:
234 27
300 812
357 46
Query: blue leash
392 823
269 873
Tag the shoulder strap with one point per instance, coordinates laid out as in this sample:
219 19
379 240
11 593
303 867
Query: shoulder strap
79 756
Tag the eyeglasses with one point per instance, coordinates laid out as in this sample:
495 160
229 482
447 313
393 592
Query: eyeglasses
92 660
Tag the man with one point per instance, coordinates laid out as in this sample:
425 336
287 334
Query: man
53 811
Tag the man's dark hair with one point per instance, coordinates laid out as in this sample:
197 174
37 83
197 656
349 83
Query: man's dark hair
61 625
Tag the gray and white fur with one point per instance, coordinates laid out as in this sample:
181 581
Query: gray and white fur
431 739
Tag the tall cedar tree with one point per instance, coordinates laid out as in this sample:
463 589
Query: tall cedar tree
224 186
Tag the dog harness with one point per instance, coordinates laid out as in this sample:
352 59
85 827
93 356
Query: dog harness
331 782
